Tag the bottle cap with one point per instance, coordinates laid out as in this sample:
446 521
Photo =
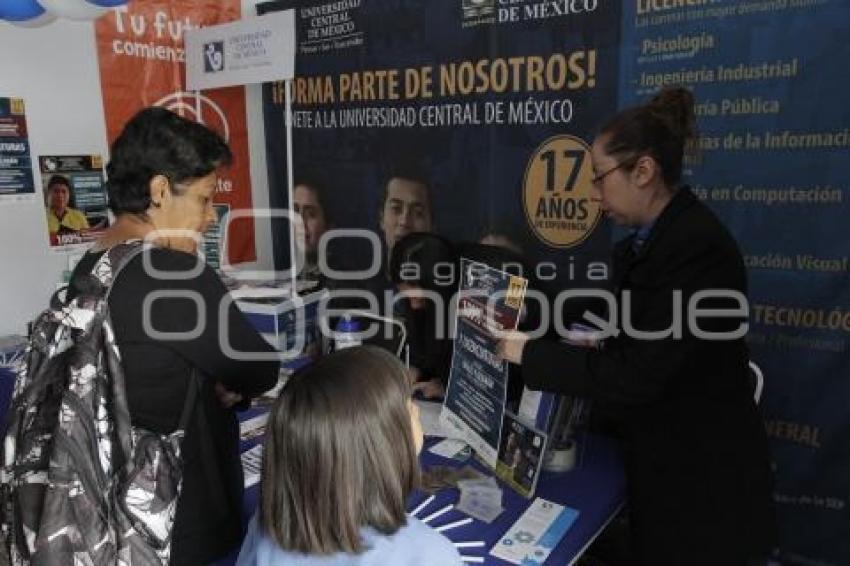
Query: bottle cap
347 324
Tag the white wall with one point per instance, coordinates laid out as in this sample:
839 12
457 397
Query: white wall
54 69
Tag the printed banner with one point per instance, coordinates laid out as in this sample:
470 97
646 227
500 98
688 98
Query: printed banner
16 182
472 119
142 63
489 301
774 164
467 119
75 200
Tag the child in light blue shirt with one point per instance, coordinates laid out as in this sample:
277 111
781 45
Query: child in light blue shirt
340 460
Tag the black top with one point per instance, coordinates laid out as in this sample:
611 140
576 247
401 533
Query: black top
696 451
208 524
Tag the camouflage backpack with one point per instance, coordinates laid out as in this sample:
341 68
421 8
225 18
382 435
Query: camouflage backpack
79 484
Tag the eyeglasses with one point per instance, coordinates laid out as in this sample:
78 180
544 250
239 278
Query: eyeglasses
625 163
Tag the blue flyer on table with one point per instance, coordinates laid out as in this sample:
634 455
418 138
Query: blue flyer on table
489 301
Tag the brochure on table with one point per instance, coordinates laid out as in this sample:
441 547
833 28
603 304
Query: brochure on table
536 533
489 301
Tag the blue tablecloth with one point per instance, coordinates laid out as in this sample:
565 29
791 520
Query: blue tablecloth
596 488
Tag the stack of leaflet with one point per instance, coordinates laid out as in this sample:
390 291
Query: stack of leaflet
480 498
253 428
534 536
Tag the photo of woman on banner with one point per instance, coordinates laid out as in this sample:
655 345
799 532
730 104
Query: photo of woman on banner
697 464
62 217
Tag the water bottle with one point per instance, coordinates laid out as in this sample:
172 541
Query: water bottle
346 334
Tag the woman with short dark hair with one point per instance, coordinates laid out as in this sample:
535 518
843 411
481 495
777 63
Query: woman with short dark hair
340 460
173 320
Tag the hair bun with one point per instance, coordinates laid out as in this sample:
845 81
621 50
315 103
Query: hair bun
675 105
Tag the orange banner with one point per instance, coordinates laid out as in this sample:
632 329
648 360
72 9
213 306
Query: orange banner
141 56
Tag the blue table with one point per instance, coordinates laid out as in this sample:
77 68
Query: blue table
596 488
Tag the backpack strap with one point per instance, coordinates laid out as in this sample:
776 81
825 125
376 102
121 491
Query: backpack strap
104 273
114 260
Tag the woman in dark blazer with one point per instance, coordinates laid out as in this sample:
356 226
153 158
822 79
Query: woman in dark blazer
695 447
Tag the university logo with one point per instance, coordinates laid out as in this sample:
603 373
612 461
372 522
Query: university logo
187 104
213 56
557 192
478 12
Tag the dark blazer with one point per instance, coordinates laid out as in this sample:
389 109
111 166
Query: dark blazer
699 480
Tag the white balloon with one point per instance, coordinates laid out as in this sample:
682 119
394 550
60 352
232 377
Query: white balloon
79 10
37 22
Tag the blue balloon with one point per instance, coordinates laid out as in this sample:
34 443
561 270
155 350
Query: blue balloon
20 10
108 3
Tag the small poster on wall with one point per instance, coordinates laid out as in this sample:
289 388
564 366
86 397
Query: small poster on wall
16 181
75 200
